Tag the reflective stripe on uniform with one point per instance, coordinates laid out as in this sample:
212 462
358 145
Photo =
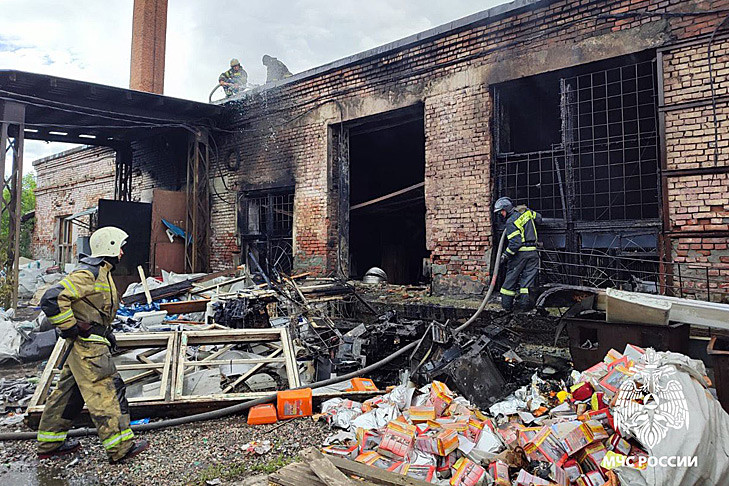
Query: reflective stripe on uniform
47 436
524 291
513 234
507 292
61 317
101 286
125 434
508 250
95 338
528 248
68 285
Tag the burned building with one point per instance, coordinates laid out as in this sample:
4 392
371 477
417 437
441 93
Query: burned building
608 117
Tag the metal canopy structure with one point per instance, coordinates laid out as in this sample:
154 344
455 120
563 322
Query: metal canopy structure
71 111
41 107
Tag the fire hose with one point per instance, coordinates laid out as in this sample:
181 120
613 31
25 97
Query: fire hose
241 407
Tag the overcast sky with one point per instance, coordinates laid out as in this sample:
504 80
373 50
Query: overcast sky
90 40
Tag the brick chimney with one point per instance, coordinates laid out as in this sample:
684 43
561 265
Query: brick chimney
149 29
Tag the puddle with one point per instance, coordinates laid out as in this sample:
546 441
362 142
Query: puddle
35 475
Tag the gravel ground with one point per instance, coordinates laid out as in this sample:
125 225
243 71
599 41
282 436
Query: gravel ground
191 454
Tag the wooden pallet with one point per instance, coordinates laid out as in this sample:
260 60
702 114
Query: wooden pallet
318 469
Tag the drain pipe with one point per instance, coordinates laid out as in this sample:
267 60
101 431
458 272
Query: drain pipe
241 407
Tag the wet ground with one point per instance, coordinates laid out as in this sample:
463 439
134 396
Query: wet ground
187 455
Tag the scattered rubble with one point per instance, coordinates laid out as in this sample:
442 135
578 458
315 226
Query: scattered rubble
610 424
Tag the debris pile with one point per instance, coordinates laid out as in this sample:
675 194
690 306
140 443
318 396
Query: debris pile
606 425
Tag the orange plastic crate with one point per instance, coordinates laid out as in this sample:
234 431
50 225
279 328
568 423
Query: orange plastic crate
362 384
294 403
262 414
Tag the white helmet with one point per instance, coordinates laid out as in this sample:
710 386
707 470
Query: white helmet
107 241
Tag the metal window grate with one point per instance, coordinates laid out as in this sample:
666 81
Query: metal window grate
610 133
535 179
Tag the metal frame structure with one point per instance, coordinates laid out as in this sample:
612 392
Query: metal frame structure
599 189
123 175
12 136
266 223
198 203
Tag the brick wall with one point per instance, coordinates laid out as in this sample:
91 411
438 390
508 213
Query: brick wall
697 175
451 75
68 183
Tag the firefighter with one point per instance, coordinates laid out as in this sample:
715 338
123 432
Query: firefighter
235 79
82 306
275 69
520 257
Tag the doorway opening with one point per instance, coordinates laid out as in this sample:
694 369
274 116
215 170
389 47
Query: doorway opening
386 196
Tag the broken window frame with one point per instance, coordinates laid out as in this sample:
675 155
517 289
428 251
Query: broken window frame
64 242
271 239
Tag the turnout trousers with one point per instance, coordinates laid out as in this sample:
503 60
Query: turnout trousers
89 376
521 274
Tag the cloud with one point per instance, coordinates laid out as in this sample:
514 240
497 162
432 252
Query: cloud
90 40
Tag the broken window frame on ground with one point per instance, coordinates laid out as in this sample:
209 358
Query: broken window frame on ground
581 248
172 399
271 239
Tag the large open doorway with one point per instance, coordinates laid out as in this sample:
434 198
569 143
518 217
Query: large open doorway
387 202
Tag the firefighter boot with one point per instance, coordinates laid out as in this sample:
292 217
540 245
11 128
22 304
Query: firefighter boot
507 302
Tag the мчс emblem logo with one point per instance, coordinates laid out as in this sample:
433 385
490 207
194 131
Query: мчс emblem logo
649 402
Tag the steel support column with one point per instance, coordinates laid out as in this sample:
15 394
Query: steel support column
12 125
197 224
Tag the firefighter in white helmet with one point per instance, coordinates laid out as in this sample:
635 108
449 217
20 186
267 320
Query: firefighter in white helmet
82 306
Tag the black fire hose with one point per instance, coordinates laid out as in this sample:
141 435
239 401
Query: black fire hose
240 407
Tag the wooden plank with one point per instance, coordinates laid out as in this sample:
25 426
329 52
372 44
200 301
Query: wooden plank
387 196
324 469
374 474
143 279
296 474
292 370
299 474
185 306
218 362
44 383
139 366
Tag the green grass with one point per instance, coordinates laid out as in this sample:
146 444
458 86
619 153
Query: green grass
228 472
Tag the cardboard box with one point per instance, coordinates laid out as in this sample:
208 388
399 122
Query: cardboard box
467 473
616 443
422 472
441 396
421 414
592 478
591 456
526 479
397 440
545 446
574 436
499 472
346 451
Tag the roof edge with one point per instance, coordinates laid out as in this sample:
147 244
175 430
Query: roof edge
463 23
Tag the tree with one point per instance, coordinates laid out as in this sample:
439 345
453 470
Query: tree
27 204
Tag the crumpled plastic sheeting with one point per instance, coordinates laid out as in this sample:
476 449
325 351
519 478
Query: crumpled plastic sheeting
10 340
401 396
510 406
15 393
706 438
488 446
340 412
419 458
377 418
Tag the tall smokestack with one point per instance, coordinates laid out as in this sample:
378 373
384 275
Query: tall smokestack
149 28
